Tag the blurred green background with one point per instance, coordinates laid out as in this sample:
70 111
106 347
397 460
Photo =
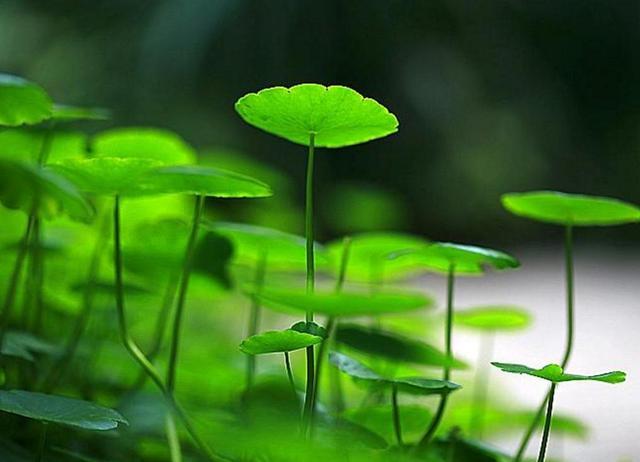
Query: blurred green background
492 96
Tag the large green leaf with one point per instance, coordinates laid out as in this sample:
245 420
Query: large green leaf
338 116
343 304
278 342
22 186
59 410
205 181
22 102
570 209
163 146
393 346
555 373
26 144
466 259
108 175
412 385
251 243
66 113
369 256
493 318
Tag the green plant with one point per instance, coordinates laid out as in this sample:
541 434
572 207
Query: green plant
555 374
569 211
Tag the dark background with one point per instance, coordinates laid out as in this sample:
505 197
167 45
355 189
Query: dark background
492 96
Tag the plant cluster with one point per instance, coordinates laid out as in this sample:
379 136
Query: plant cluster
122 288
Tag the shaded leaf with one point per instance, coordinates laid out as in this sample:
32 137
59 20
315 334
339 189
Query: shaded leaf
22 102
310 328
555 373
571 209
65 113
337 115
278 342
211 257
493 318
59 410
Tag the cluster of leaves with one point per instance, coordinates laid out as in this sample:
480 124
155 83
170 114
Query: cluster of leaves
70 338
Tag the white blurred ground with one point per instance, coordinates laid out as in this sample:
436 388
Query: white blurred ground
607 337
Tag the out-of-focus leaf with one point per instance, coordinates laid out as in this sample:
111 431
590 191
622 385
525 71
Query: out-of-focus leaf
493 318
66 113
22 102
212 256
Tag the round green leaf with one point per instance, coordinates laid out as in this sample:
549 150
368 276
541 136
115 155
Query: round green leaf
23 185
65 113
163 146
465 259
203 181
343 304
555 373
393 346
59 410
369 256
353 367
338 116
252 243
108 175
278 342
22 102
571 209
493 318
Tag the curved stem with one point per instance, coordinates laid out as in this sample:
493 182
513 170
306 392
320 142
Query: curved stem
135 351
182 293
547 424
437 418
42 442
254 318
396 415
287 364
307 415
569 284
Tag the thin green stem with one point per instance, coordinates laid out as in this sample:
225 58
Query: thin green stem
481 386
547 424
134 350
42 441
254 317
173 439
182 293
442 405
287 365
307 414
396 415
570 310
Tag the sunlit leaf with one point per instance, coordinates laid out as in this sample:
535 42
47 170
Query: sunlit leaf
555 373
393 346
27 144
493 318
278 342
59 410
571 209
23 186
414 419
337 116
160 145
344 303
66 113
441 256
22 102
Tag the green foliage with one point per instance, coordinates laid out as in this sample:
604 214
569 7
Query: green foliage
22 102
337 116
278 342
342 304
493 318
555 373
571 209
66 113
59 410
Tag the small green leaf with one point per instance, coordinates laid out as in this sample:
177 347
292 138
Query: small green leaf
571 209
24 345
163 146
23 185
424 387
353 368
465 259
555 373
344 303
278 342
204 181
338 116
493 318
393 346
65 113
310 328
369 256
22 102
59 410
